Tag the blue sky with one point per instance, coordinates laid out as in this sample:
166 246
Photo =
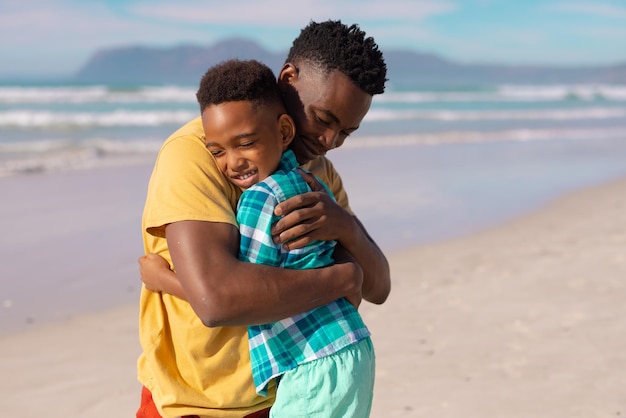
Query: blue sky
55 37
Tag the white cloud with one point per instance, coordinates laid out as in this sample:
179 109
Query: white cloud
280 12
48 24
59 26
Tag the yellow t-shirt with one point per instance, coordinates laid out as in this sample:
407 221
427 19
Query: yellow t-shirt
191 369
324 169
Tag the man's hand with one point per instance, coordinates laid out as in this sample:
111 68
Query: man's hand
310 217
316 216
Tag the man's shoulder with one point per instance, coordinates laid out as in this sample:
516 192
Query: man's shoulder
320 166
187 142
324 170
184 161
193 128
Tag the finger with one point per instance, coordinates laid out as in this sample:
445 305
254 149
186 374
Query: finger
297 243
292 233
294 217
312 181
300 201
302 234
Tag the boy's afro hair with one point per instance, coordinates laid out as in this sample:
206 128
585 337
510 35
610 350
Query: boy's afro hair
238 80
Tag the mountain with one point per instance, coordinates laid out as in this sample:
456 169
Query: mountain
413 69
180 64
185 64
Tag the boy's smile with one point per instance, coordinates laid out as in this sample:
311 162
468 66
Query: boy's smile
246 179
246 139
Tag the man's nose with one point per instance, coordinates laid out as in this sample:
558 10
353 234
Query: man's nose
329 139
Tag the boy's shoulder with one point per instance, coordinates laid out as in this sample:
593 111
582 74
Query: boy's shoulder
283 184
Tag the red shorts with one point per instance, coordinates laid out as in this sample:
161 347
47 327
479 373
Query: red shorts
148 409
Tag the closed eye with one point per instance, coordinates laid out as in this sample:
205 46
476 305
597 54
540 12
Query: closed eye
247 144
215 152
326 123
322 121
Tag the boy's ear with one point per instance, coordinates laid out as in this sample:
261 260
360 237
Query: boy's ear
287 129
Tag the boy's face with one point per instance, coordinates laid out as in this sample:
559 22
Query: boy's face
325 107
247 142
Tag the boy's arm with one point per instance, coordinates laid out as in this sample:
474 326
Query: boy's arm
224 291
156 275
316 216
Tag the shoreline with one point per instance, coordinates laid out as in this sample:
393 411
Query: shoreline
522 319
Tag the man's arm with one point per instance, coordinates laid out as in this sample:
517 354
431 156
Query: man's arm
376 274
316 216
224 291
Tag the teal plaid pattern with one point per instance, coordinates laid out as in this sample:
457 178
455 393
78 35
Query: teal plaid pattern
281 346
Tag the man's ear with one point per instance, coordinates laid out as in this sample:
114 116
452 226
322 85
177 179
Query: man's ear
287 75
287 129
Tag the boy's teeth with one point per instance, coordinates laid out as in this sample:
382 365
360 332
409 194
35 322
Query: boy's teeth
244 176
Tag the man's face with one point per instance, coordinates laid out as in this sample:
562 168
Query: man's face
326 108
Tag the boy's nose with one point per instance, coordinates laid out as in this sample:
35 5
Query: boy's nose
235 162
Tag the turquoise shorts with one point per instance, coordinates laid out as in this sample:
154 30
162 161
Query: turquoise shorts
340 385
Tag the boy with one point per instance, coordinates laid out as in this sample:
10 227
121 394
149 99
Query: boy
323 358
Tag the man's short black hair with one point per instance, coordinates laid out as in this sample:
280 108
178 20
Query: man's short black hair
238 80
332 45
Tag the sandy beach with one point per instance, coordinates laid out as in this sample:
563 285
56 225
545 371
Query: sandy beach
526 319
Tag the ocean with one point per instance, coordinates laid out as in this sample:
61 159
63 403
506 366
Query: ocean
455 159
427 164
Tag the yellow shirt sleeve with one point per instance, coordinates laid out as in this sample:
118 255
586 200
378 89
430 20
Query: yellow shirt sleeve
185 185
323 168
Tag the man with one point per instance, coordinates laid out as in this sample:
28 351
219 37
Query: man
195 359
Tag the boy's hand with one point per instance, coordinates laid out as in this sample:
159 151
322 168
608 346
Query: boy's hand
151 270
310 217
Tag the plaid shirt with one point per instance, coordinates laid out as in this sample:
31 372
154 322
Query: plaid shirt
281 346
